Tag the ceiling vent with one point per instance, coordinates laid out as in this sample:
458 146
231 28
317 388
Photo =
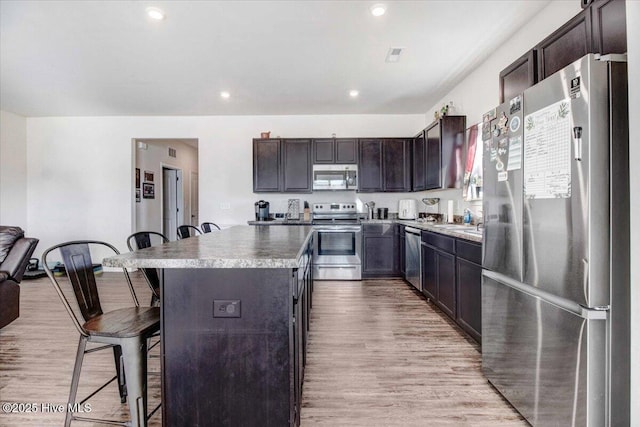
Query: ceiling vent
172 152
393 55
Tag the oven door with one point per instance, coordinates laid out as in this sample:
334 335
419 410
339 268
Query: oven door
336 254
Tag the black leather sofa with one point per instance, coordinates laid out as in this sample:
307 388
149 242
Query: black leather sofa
15 251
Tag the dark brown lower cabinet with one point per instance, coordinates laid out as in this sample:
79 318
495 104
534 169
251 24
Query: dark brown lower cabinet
439 270
451 278
429 272
469 287
446 282
379 250
401 250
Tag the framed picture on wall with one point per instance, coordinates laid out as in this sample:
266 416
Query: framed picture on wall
137 195
148 191
148 176
137 177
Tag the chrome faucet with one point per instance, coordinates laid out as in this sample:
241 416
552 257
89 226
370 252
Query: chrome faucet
478 226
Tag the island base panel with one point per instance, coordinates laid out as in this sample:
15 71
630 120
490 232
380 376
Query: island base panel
227 370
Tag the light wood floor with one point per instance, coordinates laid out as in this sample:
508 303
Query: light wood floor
378 355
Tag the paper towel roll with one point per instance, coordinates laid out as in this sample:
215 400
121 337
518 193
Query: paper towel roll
449 210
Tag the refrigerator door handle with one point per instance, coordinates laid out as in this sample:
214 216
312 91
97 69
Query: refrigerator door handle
563 303
577 143
585 278
594 313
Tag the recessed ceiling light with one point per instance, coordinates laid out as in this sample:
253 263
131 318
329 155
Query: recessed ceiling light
378 9
353 93
155 13
225 94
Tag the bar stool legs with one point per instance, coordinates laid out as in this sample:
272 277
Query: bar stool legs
130 354
82 345
134 351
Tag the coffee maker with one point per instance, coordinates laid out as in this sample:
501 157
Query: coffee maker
262 210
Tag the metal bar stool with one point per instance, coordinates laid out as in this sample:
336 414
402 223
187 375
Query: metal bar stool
145 239
186 231
207 227
124 330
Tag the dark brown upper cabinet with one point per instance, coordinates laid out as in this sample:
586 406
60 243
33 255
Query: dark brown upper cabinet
600 27
296 165
609 26
444 152
370 166
518 76
397 165
266 165
282 165
569 43
335 150
419 162
384 165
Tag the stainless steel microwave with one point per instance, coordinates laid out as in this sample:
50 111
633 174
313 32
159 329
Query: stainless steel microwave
335 177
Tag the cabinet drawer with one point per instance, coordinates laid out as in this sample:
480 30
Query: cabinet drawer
469 251
378 229
447 244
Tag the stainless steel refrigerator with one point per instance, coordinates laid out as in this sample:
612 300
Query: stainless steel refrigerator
555 285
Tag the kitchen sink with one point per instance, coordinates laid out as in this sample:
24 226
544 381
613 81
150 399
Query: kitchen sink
473 232
460 228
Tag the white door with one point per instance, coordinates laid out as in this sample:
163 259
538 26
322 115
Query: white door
169 203
195 216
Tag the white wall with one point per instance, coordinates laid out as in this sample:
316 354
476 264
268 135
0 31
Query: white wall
80 168
479 92
633 50
13 170
156 155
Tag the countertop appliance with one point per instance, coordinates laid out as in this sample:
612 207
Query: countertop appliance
293 209
555 285
335 177
408 209
262 211
337 242
413 265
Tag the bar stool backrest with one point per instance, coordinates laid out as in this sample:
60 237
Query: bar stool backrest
207 227
186 231
146 239
78 267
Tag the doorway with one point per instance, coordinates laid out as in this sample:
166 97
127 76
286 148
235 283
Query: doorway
150 158
195 215
172 201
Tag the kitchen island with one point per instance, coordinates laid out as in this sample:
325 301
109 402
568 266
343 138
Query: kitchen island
234 319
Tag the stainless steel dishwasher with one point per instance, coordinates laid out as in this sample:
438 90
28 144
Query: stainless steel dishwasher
412 257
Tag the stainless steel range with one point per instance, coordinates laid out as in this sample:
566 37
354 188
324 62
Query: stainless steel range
337 242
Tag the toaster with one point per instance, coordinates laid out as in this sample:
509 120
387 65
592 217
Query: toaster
408 209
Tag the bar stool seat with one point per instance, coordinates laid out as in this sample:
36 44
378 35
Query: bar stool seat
124 322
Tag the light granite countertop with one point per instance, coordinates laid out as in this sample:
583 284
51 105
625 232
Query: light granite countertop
241 246
454 230
281 222
467 232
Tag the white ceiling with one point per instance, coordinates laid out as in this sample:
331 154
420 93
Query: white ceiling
90 58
